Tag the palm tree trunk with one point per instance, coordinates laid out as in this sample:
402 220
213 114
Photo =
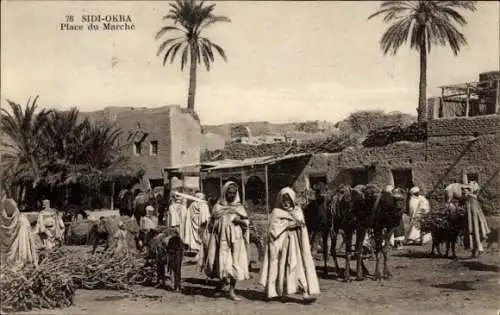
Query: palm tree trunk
192 82
422 92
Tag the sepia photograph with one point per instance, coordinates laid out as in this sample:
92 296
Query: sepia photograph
249 157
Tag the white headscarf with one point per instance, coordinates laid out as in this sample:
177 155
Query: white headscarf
222 199
414 190
286 191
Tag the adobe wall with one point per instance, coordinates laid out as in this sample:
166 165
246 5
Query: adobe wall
185 133
450 158
156 123
434 165
463 126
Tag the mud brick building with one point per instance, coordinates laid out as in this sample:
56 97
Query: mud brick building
462 143
157 137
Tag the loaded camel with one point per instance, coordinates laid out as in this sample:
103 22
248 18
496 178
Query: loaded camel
355 210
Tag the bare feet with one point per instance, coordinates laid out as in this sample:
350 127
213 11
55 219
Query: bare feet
233 296
307 298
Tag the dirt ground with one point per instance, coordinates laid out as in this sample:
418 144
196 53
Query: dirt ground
421 285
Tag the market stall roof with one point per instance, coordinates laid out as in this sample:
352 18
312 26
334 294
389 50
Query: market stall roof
259 161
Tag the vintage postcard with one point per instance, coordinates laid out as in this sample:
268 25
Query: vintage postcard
249 157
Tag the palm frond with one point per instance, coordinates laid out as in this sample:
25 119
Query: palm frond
165 44
426 23
184 57
395 36
193 17
166 29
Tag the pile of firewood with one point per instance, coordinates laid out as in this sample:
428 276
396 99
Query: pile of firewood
384 136
441 220
35 287
53 282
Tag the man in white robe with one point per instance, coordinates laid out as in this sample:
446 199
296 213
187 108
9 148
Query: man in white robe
196 218
50 226
288 265
418 205
177 212
226 255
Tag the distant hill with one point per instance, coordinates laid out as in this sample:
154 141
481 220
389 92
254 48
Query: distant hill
263 128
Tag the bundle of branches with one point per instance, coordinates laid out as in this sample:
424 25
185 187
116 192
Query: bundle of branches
442 220
106 271
35 287
101 271
383 136
240 151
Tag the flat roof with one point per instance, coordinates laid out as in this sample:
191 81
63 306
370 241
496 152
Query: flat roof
259 161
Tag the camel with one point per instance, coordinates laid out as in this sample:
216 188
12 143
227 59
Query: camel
348 213
387 209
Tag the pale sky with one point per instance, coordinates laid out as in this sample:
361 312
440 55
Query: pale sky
288 61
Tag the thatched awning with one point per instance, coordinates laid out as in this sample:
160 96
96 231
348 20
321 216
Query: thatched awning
127 169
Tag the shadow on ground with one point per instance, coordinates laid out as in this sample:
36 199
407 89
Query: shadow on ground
456 285
479 266
417 254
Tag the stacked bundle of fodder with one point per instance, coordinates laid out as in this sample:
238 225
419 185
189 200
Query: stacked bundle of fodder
112 272
53 282
415 132
443 219
35 287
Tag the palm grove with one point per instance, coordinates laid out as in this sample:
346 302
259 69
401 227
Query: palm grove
58 154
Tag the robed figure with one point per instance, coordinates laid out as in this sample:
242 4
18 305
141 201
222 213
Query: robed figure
477 228
288 265
50 226
17 242
227 238
196 219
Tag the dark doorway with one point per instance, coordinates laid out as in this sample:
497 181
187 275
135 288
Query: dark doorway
403 178
472 177
255 190
360 177
319 179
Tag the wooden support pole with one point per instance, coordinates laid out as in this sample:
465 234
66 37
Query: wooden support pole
267 188
467 103
113 195
243 194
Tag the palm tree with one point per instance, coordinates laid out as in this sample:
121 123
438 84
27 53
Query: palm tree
193 18
25 130
425 23
61 133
